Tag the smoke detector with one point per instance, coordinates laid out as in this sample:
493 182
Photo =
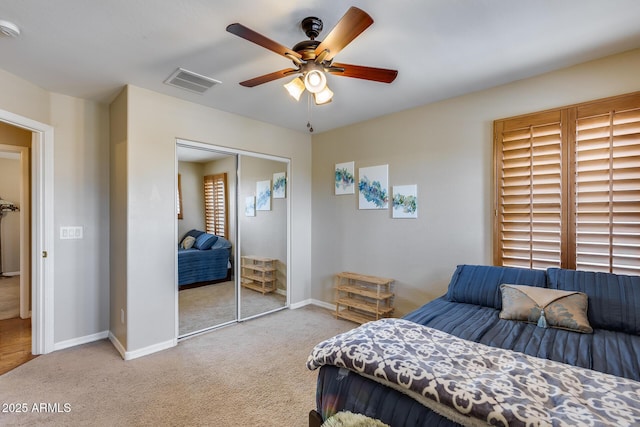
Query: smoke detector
9 29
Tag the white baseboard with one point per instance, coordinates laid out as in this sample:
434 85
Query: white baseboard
80 340
315 302
117 344
11 273
129 355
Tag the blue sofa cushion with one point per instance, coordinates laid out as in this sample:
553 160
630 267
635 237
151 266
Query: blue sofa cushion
205 241
614 299
480 284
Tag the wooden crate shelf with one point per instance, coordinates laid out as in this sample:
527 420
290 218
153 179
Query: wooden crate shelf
361 298
258 273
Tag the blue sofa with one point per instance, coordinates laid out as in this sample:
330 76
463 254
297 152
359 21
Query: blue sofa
471 310
207 261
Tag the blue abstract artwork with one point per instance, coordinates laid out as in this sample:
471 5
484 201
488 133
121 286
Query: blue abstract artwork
373 185
405 201
263 195
250 206
279 185
345 178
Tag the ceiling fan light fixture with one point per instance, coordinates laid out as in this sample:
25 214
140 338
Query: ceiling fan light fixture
295 88
9 29
323 97
315 81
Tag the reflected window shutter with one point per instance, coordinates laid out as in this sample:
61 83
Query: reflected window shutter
607 186
215 204
179 198
529 181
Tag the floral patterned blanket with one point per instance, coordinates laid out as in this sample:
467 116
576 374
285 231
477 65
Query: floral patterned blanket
474 384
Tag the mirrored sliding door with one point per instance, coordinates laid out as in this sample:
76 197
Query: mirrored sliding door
263 234
233 211
206 239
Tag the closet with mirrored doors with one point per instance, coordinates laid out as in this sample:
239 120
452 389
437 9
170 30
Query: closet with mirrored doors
232 252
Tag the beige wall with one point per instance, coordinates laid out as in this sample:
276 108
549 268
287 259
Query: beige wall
191 174
446 149
23 98
118 214
10 177
154 123
81 192
81 198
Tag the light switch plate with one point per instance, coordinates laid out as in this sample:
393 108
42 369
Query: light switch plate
75 232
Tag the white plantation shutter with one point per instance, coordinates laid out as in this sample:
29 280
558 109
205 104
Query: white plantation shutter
607 187
529 190
567 187
215 204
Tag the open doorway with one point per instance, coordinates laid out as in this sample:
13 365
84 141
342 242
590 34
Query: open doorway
36 229
15 248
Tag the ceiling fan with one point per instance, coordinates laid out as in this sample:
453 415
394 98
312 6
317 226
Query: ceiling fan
313 58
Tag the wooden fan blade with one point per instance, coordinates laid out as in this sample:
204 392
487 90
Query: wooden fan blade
382 75
268 77
354 22
248 34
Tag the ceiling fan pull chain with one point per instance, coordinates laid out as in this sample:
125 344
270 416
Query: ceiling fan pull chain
309 113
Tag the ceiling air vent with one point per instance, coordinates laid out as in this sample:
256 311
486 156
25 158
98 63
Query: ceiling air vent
191 81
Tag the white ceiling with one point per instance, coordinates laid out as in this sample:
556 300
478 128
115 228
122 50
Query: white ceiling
441 48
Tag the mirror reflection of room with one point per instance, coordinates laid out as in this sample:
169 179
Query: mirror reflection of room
262 195
220 194
206 239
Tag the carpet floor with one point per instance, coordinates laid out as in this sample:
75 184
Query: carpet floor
9 297
252 373
211 305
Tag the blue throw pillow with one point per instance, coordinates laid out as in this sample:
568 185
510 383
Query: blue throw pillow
614 299
193 233
205 241
480 284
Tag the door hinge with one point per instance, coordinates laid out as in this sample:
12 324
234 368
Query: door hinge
44 254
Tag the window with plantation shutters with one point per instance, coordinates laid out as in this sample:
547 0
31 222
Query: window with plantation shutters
215 205
607 186
529 210
567 187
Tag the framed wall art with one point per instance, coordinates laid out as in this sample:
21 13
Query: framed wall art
345 178
279 185
263 195
373 185
250 206
405 201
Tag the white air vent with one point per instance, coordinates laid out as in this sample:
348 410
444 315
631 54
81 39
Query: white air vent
191 81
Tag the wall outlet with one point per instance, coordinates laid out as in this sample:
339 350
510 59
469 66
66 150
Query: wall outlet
122 316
